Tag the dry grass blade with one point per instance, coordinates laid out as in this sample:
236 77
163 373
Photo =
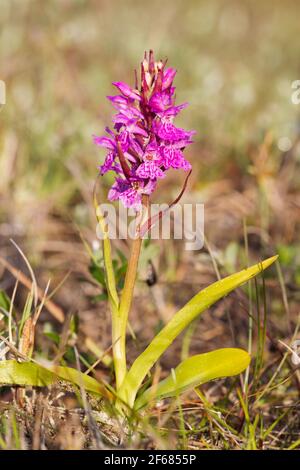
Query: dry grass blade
34 283
55 311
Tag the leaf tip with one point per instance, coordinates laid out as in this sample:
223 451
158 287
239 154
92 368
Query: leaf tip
246 357
267 262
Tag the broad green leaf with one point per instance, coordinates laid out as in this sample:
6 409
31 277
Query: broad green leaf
30 373
197 370
198 304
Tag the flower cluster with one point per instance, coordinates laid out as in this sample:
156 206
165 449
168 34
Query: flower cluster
144 142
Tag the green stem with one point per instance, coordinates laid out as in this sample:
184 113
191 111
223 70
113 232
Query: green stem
127 295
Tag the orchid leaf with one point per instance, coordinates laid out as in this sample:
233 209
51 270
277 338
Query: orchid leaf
13 372
198 304
197 370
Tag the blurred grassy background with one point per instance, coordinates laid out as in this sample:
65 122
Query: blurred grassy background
236 62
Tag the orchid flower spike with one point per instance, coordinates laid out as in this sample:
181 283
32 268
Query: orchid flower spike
144 142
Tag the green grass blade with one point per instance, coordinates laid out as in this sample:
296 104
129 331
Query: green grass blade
197 370
30 373
179 322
